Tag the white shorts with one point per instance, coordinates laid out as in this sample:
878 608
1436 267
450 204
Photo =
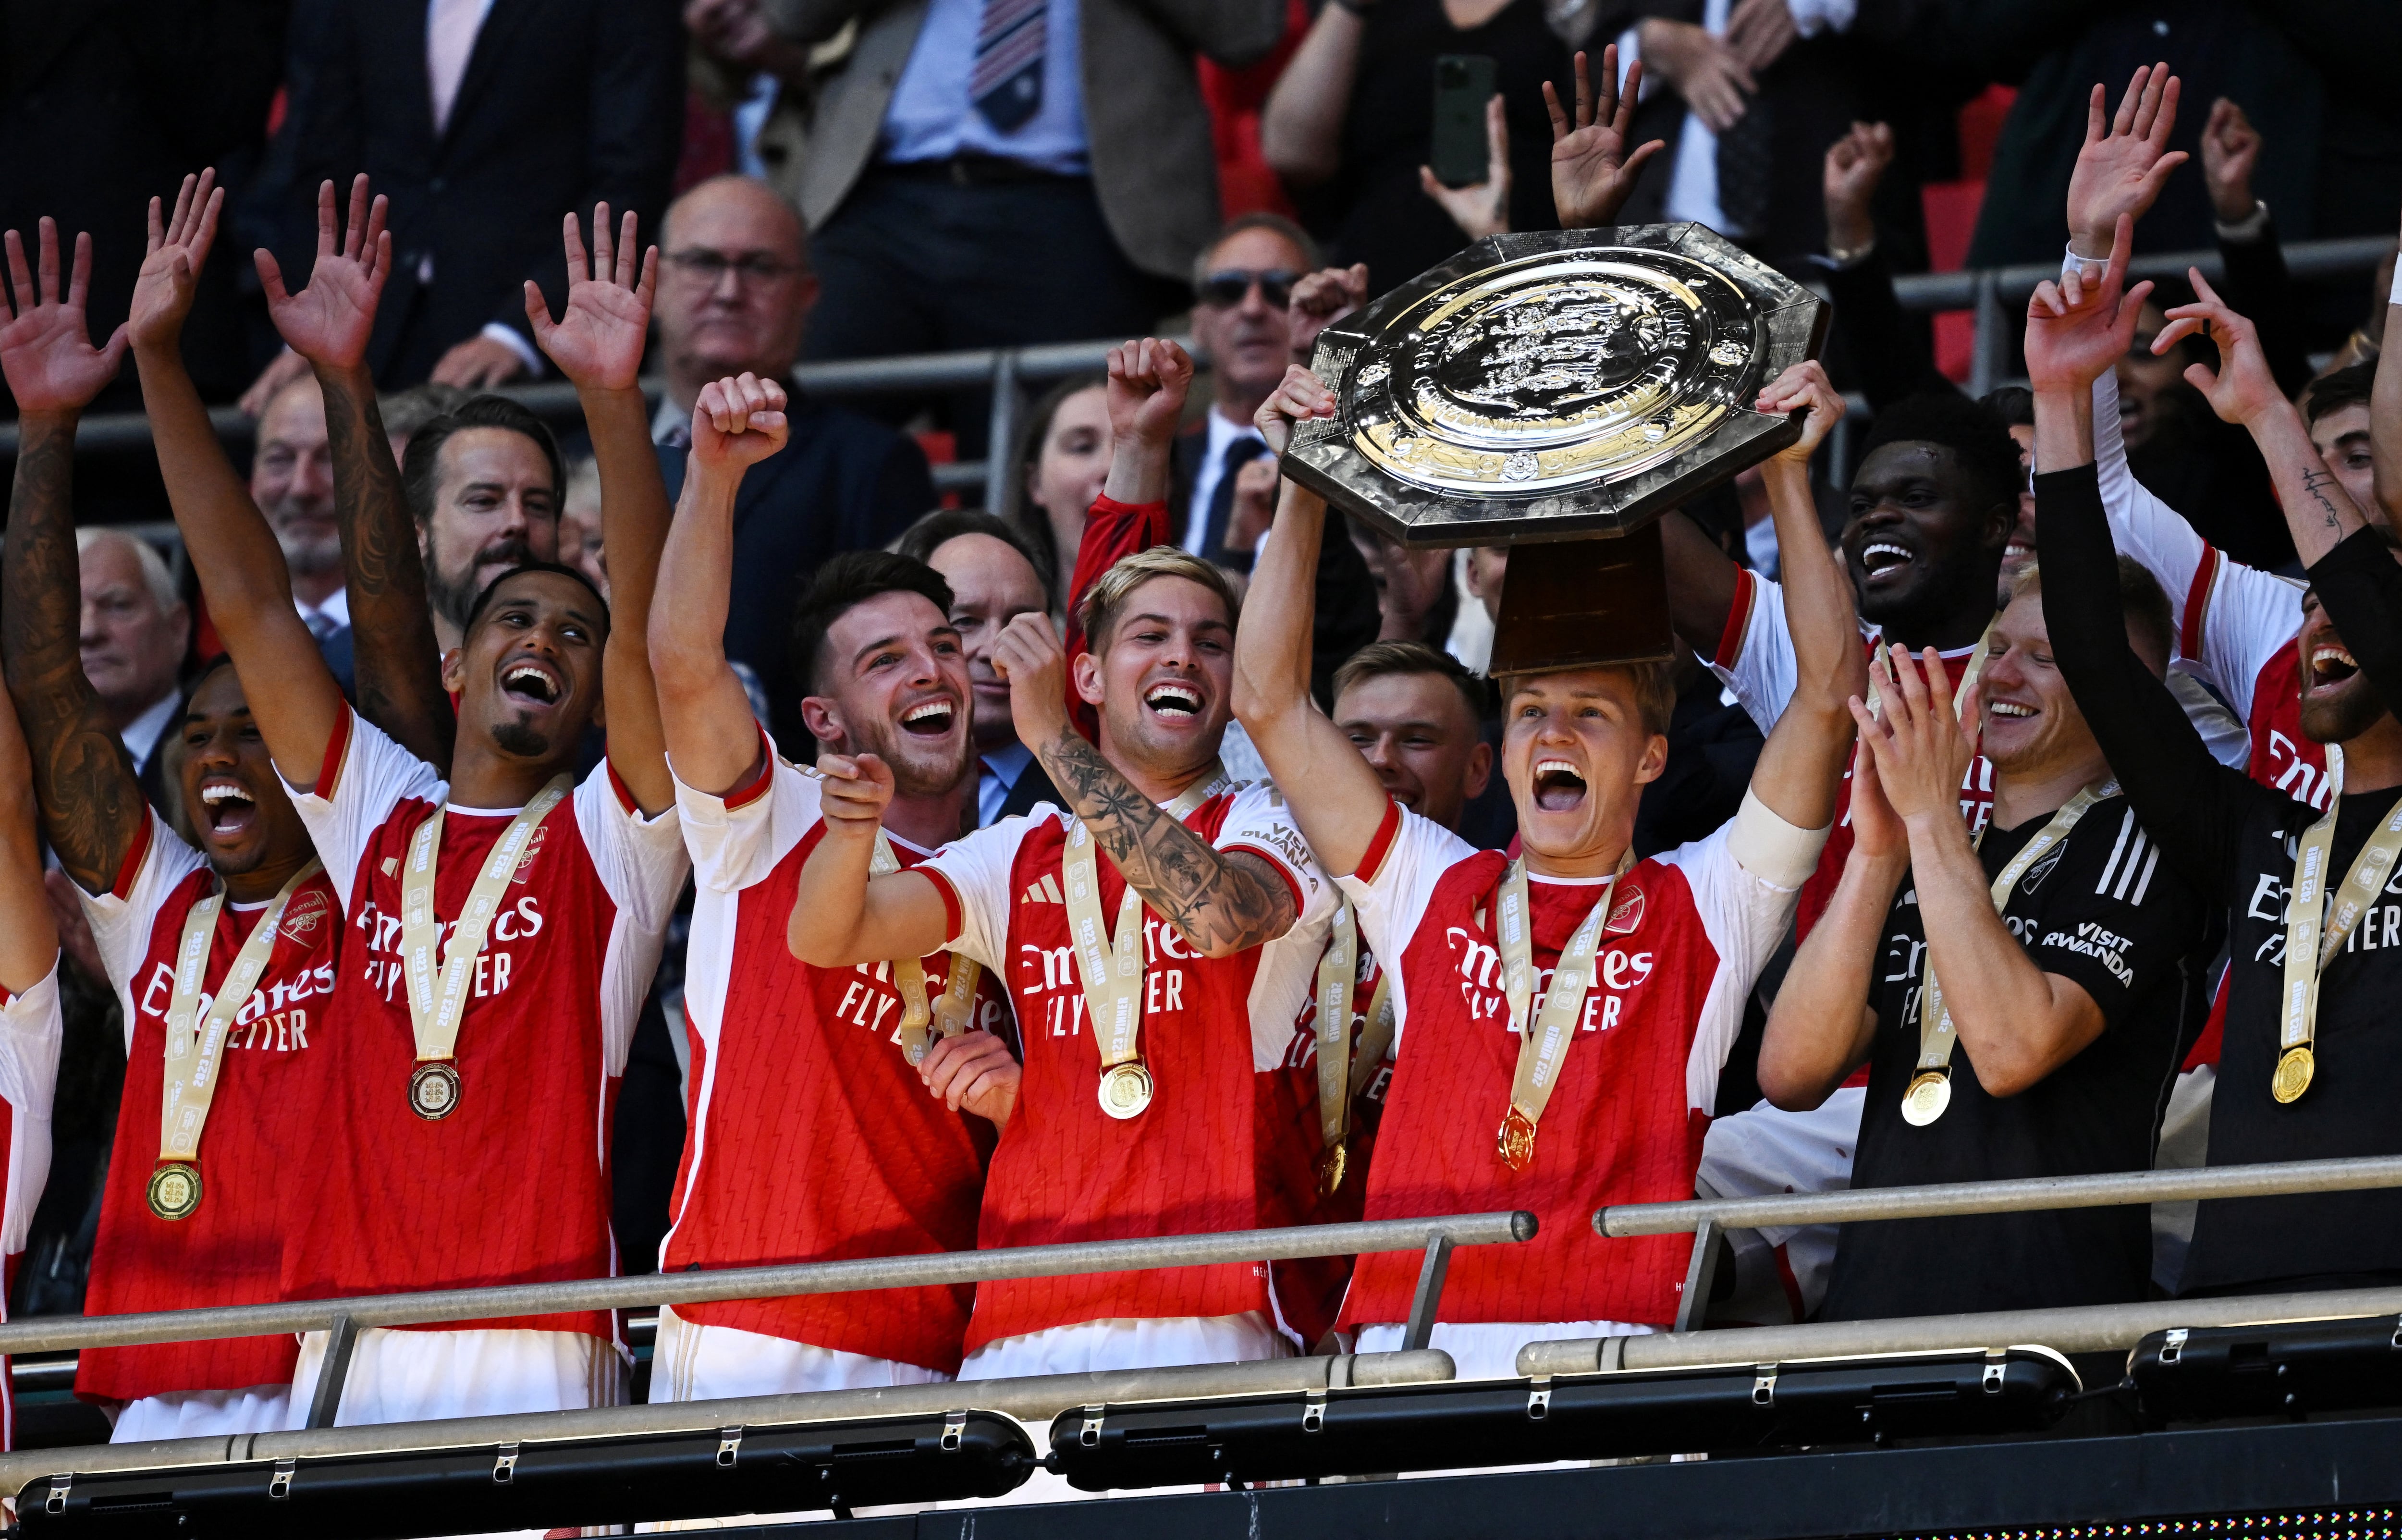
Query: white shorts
1488 1350
1781 1272
421 1376
691 1362
205 1414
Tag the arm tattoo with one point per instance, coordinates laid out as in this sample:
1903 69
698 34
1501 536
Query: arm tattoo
2316 481
399 667
1221 904
91 807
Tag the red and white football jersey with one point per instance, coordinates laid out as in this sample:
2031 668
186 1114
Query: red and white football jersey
261 1130
812 1139
513 1186
1065 1170
30 1033
1686 936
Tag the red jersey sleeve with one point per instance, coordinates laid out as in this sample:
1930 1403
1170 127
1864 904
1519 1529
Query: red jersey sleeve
1114 531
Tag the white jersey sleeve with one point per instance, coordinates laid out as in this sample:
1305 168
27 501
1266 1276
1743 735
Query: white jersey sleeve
29 1035
974 876
639 856
2230 619
735 840
122 919
1755 657
1393 887
1745 877
365 776
1258 823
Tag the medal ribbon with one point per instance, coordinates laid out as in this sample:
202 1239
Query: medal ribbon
2313 935
436 1002
955 1005
1976 665
1935 1034
1342 1073
1112 969
194 1057
1543 1046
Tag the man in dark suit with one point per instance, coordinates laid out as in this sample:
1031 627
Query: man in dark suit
734 290
485 122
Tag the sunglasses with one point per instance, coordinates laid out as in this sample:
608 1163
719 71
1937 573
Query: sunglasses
1227 288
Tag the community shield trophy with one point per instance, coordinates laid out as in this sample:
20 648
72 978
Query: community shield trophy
1561 390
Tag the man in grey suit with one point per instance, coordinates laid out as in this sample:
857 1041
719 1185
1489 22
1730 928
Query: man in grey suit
994 173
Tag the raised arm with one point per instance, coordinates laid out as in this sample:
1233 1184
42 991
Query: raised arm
840 915
1148 381
1592 170
1331 790
29 937
598 345
1802 764
293 696
327 324
93 806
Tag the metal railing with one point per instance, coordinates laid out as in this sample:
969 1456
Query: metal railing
1706 1218
1992 294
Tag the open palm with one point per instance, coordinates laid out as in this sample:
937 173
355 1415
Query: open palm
2073 334
1592 173
178 249
329 322
46 348
2126 159
598 344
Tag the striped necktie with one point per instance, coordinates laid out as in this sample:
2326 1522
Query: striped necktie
1005 82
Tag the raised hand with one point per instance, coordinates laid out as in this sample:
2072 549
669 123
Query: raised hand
1299 396
2231 147
736 422
857 790
1877 833
1480 208
1319 300
1922 747
1592 173
2126 159
1028 655
2242 388
328 322
46 348
1804 387
1855 165
2073 334
598 344
1148 379
171 264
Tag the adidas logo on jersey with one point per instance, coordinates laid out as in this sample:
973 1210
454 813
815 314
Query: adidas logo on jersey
1046 891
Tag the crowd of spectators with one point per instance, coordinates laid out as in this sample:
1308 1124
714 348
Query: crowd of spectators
845 179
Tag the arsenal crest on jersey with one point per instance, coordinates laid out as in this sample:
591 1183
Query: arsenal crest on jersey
306 911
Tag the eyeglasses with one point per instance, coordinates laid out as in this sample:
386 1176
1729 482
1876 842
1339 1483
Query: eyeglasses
1230 286
708 269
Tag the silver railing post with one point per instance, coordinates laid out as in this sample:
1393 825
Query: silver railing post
327 1402
1002 431
1985 351
1429 1295
1700 1277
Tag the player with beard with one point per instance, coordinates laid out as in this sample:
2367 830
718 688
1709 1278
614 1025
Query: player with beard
31 1026
484 484
1648 962
2311 1037
823 1125
455 1140
196 1204
1203 915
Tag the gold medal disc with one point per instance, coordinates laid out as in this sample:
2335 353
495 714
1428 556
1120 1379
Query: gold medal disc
1126 1090
1517 1140
175 1190
1330 1167
433 1090
1926 1098
2293 1076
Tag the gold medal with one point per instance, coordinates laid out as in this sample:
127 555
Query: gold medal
1126 1091
433 1090
1928 1096
1330 1167
175 1190
1517 1140
2292 1077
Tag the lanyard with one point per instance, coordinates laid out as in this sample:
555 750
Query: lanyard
1341 1074
2313 935
1930 1089
1543 1046
951 1012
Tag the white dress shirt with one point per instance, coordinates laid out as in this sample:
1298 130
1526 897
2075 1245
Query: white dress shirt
930 117
1223 433
142 734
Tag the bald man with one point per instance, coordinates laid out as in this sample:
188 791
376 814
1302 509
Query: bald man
734 290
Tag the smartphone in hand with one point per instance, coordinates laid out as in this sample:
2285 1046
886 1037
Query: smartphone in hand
1463 83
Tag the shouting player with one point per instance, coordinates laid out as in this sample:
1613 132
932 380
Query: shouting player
504 924
1593 1090
1157 938
822 1127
